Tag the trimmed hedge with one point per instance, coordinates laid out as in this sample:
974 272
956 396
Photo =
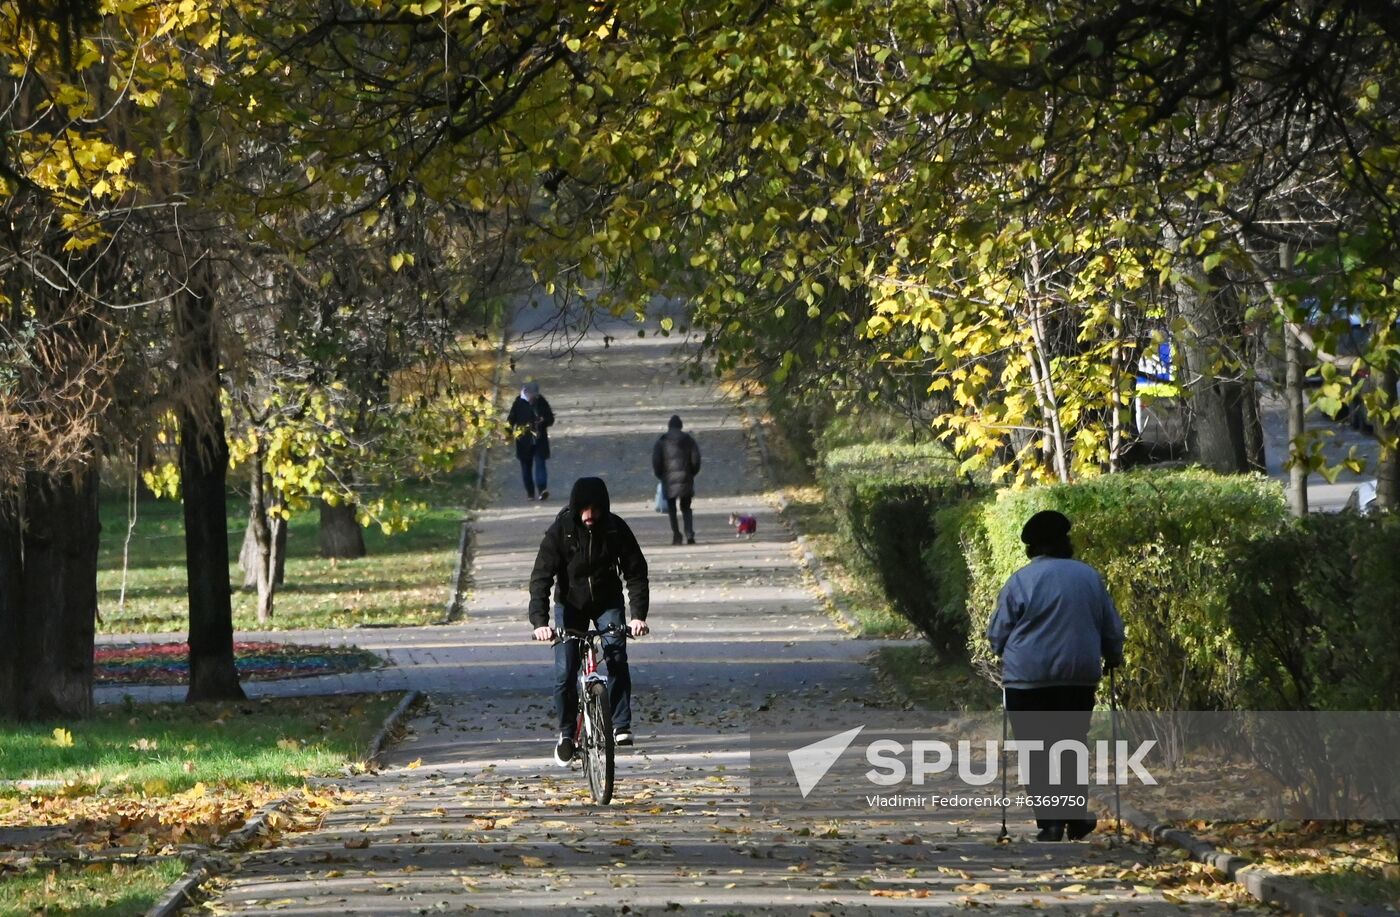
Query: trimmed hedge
1317 611
1165 543
887 499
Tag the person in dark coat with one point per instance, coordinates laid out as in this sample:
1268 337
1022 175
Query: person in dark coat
585 556
530 418
1056 629
675 460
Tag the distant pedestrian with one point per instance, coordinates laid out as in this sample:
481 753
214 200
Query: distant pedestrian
675 460
1055 629
530 418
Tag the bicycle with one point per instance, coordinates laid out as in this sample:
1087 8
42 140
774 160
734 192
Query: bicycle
593 735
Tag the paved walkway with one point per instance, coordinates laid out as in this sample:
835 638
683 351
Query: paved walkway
470 813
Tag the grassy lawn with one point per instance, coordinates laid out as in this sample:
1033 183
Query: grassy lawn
144 779
162 749
95 890
403 580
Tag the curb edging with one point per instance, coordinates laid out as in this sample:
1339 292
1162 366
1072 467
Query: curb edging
1271 888
181 892
809 557
391 722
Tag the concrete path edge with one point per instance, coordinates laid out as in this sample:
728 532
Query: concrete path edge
809 557
181 892
1271 888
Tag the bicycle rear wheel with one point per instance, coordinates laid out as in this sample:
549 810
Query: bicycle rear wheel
598 744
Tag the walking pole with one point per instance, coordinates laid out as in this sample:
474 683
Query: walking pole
1003 837
1117 784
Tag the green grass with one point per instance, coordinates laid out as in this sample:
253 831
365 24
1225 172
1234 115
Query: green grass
1362 886
95 890
168 748
403 580
918 676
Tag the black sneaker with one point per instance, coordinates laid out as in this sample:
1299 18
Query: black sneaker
675 539
690 540
622 737
564 750
544 495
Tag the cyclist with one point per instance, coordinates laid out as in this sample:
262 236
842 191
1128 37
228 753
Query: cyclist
586 554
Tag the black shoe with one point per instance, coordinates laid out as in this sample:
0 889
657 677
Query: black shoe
675 539
529 495
622 737
690 540
1051 832
1079 828
564 750
544 494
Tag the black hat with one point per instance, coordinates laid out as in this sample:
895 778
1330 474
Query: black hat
1045 526
674 423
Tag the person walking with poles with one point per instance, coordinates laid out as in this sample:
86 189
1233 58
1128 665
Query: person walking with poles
1056 629
675 460
530 418
585 557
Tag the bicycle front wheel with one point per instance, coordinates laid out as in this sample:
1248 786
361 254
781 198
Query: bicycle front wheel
598 747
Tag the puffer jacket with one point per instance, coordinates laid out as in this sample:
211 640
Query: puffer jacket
586 567
675 460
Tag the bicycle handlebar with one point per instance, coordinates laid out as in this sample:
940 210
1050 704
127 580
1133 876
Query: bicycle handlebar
581 635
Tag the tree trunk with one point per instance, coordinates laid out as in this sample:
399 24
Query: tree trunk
203 479
12 605
1253 428
48 596
1296 405
262 536
248 552
341 535
1216 434
1388 464
248 555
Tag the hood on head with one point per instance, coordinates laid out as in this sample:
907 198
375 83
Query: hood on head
674 423
589 492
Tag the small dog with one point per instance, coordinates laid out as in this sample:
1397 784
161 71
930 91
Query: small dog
744 526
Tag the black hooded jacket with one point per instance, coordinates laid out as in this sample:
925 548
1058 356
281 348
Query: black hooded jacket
587 568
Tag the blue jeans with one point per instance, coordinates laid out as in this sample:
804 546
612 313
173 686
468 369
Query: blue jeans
539 480
566 665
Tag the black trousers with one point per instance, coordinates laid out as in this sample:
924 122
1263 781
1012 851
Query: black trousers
1049 715
686 515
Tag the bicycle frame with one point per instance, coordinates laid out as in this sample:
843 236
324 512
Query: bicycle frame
593 740
588 674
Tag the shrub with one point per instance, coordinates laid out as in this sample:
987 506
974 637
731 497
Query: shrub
885 498
1164 542
1315 609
